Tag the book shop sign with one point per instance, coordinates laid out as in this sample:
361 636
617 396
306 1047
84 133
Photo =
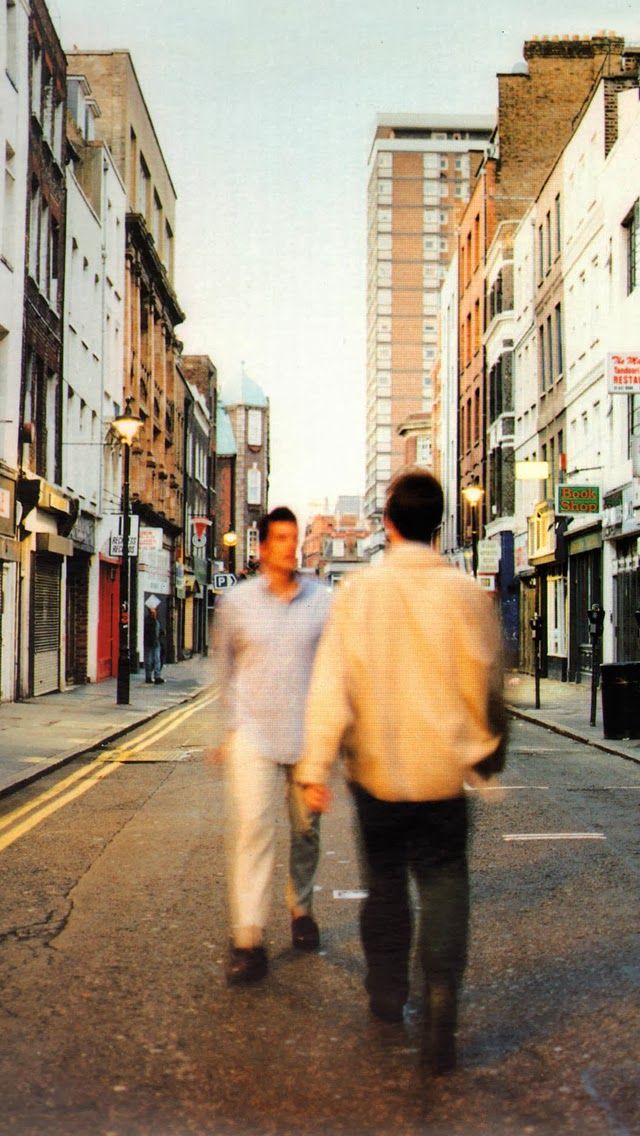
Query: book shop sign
623 373
577 499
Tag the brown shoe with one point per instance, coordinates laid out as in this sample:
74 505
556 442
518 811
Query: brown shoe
305 934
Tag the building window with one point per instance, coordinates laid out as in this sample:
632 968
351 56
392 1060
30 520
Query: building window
476 416
476 241
549 351
477 328
254 428
423 450
144 186
631 225
540 254
559 341
558 225
254 486
541 358
548 240
12 69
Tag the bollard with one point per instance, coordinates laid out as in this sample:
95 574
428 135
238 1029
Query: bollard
595 615
536 633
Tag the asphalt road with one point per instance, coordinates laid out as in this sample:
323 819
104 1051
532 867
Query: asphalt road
115 1019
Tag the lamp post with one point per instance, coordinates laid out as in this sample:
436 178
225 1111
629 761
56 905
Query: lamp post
230 540
126 427
473 495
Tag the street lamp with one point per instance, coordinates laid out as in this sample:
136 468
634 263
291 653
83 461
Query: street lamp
473 495
126 426
230 540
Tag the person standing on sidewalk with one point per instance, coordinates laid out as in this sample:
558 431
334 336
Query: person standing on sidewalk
408 681
266 635
152 642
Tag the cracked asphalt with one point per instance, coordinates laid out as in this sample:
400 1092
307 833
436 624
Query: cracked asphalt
115 1019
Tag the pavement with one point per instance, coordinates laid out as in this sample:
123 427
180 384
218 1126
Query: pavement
42 733
565 708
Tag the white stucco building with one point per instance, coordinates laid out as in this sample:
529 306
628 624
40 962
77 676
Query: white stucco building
93 372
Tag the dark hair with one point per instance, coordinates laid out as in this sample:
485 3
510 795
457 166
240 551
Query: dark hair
281 513
415 504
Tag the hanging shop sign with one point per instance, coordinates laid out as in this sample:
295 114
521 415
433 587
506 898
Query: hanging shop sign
577 499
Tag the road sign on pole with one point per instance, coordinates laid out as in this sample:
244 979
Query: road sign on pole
222 580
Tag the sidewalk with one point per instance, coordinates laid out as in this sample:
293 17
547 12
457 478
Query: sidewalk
565 708
42 733
39 734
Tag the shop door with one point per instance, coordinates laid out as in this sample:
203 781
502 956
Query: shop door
626 590
108 628
586 590
76 619
45 623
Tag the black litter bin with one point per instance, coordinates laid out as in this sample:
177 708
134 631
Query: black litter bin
620 683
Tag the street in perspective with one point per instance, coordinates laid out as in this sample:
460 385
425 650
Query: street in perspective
117 1020
319 402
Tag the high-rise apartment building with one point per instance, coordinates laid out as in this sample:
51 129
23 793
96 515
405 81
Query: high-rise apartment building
421 170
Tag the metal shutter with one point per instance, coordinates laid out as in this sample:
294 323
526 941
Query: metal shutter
46 624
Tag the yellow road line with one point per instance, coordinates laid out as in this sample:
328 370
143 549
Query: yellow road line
78 783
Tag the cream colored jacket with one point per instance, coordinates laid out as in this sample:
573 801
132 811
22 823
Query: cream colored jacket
407 680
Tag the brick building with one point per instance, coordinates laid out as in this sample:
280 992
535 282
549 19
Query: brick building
247 407
47 512
420 172
334 542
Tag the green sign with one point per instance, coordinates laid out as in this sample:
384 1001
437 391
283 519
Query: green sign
576 499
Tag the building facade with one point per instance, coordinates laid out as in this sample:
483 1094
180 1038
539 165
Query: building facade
47 510
420 172
14 136
93 382
247 408
152 313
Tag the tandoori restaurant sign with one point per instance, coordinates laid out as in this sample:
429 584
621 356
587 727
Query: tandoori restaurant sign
623 372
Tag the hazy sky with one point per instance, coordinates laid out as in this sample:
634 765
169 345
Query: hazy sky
265 111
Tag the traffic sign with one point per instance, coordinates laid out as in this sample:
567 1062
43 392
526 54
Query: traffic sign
222 580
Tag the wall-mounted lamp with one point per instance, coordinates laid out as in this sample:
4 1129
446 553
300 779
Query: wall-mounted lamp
532 470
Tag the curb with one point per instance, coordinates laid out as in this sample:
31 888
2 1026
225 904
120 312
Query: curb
62 759
567 732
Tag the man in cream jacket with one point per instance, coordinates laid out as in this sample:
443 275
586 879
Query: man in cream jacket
407 685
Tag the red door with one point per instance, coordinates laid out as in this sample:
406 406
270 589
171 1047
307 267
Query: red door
108 621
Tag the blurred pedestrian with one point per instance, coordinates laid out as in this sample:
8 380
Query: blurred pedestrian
408 681
152 642
267 633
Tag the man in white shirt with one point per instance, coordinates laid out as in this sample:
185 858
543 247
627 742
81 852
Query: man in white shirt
407 683
267 633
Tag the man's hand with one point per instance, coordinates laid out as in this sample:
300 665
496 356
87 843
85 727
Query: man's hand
317 798
216 755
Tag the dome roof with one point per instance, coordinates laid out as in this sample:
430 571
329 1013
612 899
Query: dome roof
242 390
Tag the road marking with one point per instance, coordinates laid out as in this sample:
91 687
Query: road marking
356 894
499 788
554 836
78 783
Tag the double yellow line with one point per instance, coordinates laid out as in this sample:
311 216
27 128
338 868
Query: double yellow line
17 823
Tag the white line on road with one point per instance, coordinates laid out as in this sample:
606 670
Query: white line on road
554 836
498 788
356 894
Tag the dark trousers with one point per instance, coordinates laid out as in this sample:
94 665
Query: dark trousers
426 840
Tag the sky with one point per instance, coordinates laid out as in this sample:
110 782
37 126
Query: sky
265 111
